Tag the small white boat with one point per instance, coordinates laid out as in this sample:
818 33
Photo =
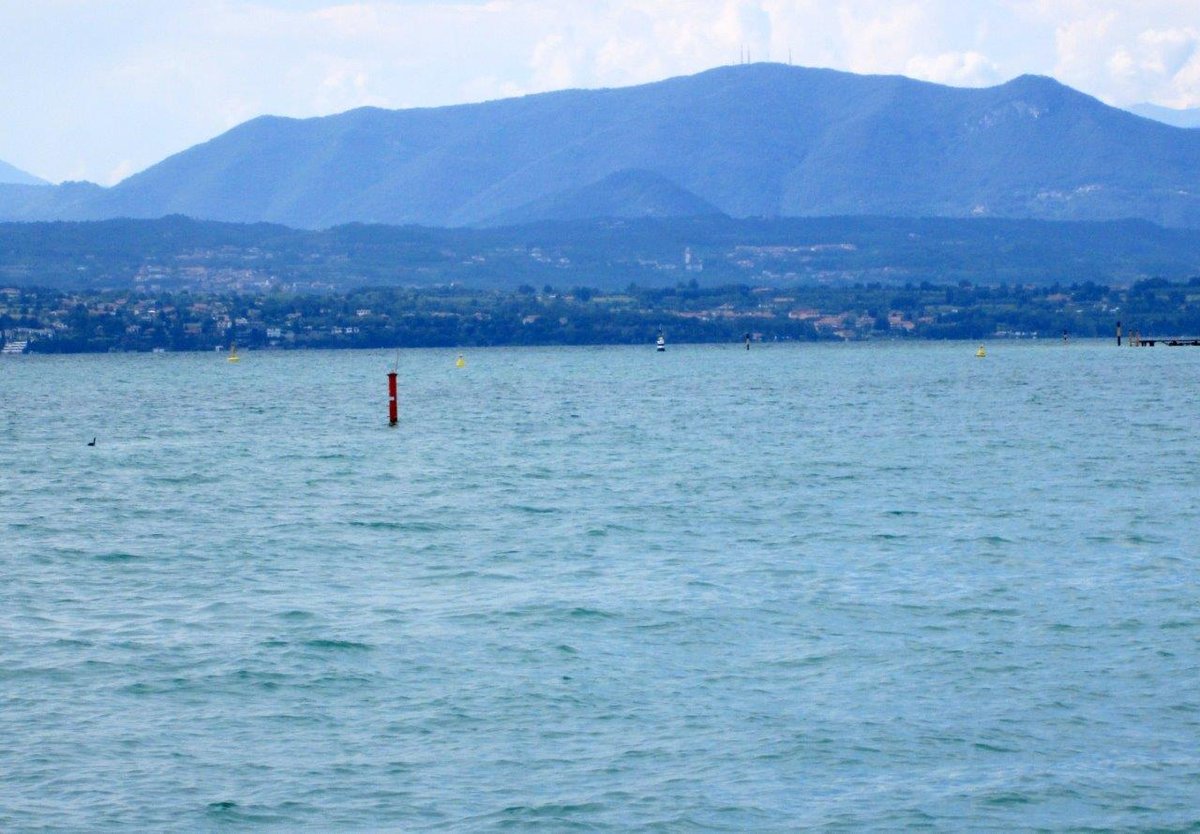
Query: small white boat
661 344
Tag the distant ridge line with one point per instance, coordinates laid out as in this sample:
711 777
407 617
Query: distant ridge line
752 140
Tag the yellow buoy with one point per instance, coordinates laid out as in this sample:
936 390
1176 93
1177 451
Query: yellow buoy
981 352
460 362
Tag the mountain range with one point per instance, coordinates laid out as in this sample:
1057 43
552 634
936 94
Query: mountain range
1186 117
10 175
755 140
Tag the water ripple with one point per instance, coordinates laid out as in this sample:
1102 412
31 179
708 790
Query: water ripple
801 587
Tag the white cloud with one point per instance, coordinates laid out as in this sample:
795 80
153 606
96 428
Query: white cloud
1129 52
880 40
1166 63
1078 37
123 169
960 69
553 63
344 84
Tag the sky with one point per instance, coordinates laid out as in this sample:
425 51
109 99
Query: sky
100 89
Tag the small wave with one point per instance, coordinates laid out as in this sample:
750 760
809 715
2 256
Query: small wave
1173 624
662 625
590 613
228 811
69 642
800 662
1009 798
404 526
338 645
525 508
992 748
552 810
118 556
467 573
269 681
977 611
193 478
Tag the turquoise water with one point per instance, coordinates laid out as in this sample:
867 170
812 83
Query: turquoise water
846 587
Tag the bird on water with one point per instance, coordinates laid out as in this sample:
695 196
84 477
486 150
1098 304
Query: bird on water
93 443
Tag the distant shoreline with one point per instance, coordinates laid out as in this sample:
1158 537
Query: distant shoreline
59 321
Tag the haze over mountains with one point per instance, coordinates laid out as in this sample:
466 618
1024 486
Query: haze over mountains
1188 117
10 175
753 140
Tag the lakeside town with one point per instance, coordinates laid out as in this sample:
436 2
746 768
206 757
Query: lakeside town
39 320
176 284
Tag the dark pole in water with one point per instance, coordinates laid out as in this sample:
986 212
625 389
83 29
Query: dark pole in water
1118 334
393 416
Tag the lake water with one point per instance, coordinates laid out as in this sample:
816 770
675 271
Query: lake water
838 586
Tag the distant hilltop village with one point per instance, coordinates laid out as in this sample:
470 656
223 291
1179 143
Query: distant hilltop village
176 253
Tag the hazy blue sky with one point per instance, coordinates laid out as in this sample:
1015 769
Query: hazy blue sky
99 89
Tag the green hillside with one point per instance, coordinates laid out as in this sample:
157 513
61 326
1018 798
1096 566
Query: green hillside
707 250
